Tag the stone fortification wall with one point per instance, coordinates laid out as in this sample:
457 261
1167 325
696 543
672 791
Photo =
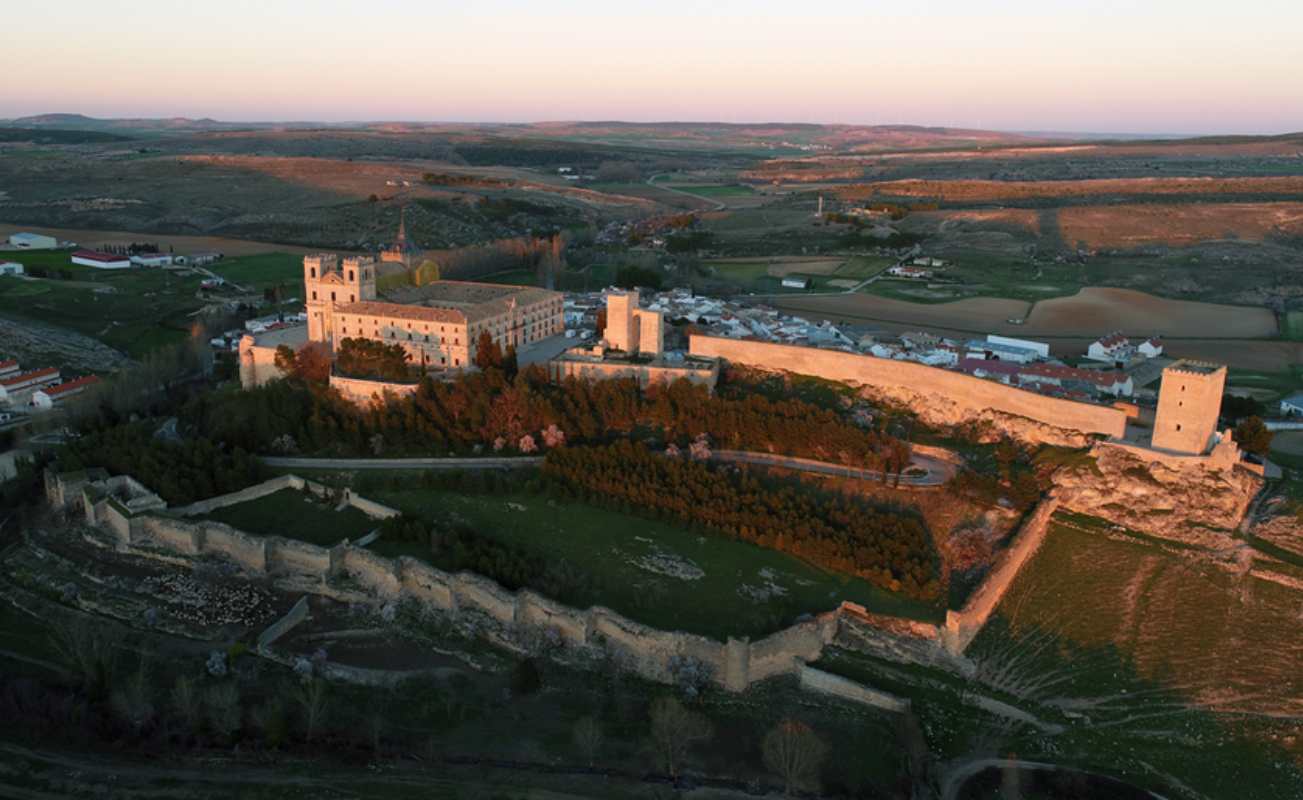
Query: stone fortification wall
963 626
938 396
364 392
371 508
816 680
284 625
242 496
895 639
646 374
519 617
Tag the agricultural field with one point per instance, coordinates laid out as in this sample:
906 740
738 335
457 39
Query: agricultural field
714 192
655 572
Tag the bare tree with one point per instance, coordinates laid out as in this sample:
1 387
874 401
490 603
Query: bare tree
674 731
311 697
588 737
794 753
222 708
187 703
91 650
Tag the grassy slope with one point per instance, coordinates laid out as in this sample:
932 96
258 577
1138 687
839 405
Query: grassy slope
606 543
296 515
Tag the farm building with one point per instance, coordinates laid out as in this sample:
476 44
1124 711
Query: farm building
98 260
16 385
976 348
10 268
47 397
1292 406
197 259
905 271
1114 347
1151 347
8 368
796 282
1042 349
33 241
151 260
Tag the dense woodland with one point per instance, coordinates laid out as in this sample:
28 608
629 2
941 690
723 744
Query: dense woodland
487 410
834 531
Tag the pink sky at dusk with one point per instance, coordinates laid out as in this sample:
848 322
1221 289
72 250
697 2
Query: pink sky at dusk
1167 67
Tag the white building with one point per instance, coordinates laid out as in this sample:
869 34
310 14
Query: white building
1041 348
1292 406
10 268
976 348
98 260
1114 347
1151 347
46 398
796 282
151 260
33 241
16 386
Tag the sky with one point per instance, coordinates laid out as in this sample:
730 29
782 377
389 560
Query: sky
1145 66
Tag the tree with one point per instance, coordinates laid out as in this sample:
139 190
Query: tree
794 753
311 698
1253 437
313 363
364 358
487 352
674 731
588 738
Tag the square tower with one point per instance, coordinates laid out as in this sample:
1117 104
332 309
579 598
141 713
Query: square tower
621 332
1189 403
316 294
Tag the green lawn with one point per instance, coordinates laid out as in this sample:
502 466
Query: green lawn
739 589
262 270
863 267
296 515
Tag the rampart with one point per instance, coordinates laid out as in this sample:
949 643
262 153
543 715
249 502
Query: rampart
963 626
520 618
363 392
939 396
817 680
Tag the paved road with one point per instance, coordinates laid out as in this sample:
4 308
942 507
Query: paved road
937 472
719 205
401 463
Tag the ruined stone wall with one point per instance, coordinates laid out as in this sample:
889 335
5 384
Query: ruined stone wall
816 680
249 551
536 611
257 363
177 536
284 625
938 396
371 508
425 584
375 574
778 653
963 626
244 495
291 557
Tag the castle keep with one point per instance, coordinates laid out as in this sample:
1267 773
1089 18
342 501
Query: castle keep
1189 401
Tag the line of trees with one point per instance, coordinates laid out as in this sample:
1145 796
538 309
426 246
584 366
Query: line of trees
834 531
528 412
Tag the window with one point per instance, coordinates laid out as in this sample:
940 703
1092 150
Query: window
314 294
1178 426
352 298
350 276
312 272
332 297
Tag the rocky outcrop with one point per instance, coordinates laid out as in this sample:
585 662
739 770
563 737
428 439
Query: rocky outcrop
1192 501
1284 531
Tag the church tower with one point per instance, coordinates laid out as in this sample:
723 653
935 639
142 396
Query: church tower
316 293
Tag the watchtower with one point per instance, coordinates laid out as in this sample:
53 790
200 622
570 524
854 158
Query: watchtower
1189 402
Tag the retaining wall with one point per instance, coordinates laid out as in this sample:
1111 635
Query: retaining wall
291 557
283 625
968 396
242 496
250 552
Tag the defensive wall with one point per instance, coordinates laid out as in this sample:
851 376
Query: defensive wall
938 395
963 626
348 572
363 392
348 497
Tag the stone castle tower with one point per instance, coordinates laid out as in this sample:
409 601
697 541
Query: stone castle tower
329 283
1189 403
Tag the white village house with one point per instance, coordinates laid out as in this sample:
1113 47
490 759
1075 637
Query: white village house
98 260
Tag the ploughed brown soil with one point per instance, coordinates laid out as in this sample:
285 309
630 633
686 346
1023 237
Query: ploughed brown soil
1097 310
1020 218
981 190
1178 224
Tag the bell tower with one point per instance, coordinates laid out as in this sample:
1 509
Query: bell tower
316 294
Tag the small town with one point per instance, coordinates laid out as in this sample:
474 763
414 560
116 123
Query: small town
664 403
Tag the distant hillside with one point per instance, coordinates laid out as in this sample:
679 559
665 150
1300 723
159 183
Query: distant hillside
81 122
59 136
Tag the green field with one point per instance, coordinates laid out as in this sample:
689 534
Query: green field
262 270
737 588
296 515
1167 670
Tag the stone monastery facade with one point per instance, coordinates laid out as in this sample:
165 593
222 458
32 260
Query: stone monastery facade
437 324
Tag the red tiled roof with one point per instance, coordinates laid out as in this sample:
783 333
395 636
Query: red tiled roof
8 364
1095 376
95 255
64 388
30 376
1113 339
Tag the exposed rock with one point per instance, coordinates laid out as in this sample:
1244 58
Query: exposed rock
1192 502
1284 531
990 425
